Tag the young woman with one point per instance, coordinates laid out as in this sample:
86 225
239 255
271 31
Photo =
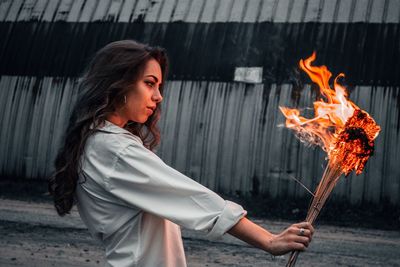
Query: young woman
129 199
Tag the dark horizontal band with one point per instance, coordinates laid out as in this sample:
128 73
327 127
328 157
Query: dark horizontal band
369 54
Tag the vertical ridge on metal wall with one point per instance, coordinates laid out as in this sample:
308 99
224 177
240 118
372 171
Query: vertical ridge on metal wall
34 116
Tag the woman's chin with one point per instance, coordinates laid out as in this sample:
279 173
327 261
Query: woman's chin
143 120
140 119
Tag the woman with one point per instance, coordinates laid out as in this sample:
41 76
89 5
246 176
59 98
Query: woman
129 198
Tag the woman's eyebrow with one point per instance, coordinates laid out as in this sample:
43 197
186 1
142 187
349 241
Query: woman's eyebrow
150 75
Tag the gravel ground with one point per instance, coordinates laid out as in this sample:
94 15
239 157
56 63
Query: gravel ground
33 235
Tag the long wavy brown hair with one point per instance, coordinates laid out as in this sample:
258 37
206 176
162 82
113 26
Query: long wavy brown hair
108 77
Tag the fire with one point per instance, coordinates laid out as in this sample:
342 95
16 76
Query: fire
340 127
355 142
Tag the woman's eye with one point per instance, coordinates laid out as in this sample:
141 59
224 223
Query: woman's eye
151 84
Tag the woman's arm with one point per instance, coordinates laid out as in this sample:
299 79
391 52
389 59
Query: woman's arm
290 239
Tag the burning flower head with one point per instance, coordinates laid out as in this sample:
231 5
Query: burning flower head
340 127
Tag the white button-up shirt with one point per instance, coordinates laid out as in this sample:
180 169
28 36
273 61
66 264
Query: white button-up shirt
133 202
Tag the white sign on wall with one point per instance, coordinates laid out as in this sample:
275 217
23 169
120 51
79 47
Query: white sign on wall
248 74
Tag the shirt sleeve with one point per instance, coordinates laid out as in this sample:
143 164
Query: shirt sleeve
140 178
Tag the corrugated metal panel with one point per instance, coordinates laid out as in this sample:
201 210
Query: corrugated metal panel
252 11
238 11
377 13
297 11
194 13
126 11
35 110
88 10
360 11
63 10
393 11
181 10
166 11
282 11
26 10
51 10
224 135
208 11
343 11
223 10
4 8
101 10
114 10
140 10
154 11
208 14
38 10
268 9
75 11
14 9
329 11
313 11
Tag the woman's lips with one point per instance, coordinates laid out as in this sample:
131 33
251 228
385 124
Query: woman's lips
151 111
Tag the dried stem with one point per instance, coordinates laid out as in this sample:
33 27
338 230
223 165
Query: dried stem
329 179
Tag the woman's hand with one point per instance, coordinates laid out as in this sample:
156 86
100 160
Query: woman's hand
297 237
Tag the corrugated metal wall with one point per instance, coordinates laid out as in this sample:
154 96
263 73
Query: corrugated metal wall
57 37
202 11
221 133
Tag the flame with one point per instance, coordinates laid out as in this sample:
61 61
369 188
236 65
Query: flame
340 127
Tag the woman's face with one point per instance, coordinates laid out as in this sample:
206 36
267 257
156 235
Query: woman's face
142 100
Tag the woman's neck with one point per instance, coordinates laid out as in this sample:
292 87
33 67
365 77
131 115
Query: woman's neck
117 120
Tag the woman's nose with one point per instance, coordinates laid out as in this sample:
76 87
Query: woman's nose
157 97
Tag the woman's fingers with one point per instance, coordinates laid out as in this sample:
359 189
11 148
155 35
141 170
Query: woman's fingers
301 235
300 231
307 233
303 229
296 237
302 240
305 225
298 246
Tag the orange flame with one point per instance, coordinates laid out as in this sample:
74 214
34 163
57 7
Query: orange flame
334 117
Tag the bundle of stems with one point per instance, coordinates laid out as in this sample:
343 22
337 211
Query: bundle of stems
328 181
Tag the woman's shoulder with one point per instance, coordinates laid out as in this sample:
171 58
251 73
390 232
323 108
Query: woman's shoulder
112 138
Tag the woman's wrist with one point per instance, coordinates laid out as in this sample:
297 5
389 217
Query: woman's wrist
268 244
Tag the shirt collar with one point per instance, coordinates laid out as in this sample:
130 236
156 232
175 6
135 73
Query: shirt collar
110 127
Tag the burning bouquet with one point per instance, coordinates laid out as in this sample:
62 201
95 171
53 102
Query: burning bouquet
340 127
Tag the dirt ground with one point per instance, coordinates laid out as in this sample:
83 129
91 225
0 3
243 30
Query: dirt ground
33 235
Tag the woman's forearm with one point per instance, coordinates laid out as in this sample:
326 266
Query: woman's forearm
295 237
251 233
